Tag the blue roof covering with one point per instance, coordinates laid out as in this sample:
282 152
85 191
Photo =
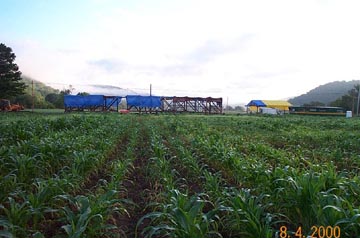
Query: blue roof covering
83 101
256 103
143 101
101 100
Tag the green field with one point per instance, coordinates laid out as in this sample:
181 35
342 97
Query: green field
111 175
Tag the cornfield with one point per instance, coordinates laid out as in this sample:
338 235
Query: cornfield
108 175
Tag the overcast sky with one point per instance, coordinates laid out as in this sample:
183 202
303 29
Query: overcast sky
240 50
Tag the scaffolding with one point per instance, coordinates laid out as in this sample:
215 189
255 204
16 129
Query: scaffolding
192 105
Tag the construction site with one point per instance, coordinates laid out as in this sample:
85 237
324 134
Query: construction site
143 104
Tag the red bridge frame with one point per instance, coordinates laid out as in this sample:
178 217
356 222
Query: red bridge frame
192 104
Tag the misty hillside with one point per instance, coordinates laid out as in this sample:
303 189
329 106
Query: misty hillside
39 87
106 90
325 93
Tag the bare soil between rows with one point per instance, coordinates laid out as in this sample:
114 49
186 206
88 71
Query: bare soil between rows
137 186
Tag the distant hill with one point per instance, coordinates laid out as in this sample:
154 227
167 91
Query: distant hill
42 89
107 90
55 100
39 87
325 93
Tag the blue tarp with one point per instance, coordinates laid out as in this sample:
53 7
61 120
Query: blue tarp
83 101
100 100
143 101
256 103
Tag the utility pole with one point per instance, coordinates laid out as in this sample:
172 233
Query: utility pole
150 89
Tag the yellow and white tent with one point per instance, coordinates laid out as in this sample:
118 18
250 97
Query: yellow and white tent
281 105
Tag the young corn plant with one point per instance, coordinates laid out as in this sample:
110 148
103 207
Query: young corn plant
351 223
248 216
91 215
161 162
299 198
14 217
40 200
78 215
213 184
184 217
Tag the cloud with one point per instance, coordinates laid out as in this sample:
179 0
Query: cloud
188 64
116 66
194 63
213 48
182 69
109 65
243 49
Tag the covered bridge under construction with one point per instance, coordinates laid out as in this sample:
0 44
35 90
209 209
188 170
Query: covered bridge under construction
147 104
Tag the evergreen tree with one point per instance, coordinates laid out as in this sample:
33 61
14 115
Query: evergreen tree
10 76
52 97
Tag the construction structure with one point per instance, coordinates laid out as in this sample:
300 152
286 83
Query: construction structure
91 103
144 104
192 104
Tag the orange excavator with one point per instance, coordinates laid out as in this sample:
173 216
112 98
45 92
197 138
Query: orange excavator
5 105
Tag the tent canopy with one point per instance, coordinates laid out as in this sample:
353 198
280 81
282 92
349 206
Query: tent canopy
256 103
277 104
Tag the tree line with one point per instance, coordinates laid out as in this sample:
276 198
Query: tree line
41 95
348 101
